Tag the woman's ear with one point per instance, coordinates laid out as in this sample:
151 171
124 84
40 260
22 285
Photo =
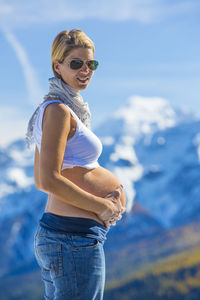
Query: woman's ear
56 67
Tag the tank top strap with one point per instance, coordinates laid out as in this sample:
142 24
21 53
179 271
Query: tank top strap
74 114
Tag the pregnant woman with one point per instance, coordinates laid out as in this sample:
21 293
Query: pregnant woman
84 199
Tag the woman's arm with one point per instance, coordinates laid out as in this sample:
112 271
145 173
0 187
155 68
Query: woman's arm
56 128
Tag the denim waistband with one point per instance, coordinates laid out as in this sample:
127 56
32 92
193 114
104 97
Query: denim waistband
80 226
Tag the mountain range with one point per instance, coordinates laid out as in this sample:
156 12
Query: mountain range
154 149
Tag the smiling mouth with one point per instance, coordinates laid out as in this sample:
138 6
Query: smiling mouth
83 80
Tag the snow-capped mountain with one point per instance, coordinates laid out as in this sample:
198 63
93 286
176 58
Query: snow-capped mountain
140 118
154 150
151 147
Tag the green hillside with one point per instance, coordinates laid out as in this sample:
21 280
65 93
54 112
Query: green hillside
176 277
140 253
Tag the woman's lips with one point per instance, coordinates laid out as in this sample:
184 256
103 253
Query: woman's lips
83 80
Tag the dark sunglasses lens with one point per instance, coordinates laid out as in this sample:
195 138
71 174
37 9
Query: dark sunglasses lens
76 64
92 64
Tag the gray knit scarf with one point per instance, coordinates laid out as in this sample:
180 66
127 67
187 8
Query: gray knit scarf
59 89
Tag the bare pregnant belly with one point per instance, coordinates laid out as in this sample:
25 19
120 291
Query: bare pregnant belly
99 182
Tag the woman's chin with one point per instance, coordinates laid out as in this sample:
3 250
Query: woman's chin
82 87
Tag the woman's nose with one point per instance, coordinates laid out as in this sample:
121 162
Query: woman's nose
84 68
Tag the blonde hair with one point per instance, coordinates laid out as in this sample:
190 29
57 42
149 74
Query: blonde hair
65 42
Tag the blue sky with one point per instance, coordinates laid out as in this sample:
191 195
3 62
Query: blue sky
144 47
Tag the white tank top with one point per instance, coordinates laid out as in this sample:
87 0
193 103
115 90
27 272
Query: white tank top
83 149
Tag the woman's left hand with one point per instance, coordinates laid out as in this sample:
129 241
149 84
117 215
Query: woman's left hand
115 197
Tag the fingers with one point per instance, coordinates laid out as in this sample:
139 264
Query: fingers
114 211
113 220
116 193
107 224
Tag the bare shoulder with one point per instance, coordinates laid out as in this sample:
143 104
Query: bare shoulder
57 109
56 113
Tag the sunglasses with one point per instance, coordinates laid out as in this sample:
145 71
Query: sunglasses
76 64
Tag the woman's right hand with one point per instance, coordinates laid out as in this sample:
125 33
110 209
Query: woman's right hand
114 209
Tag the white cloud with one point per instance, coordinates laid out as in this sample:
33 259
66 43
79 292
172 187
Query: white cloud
33 88
22 13
19 177
5 189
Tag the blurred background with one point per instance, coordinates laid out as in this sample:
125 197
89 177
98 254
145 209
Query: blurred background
144 99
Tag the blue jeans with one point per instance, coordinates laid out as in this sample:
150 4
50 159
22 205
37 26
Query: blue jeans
72 266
